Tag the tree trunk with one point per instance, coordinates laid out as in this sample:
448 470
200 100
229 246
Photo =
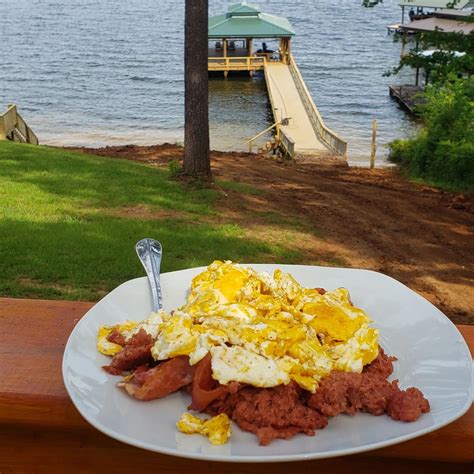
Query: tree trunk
196 102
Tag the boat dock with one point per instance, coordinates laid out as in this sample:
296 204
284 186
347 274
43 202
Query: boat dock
408 96
300 129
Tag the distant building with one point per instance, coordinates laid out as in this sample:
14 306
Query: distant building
419 8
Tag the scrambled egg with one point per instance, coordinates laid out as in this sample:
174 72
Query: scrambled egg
260 329
217 429
266 330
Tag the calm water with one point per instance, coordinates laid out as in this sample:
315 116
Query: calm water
97 72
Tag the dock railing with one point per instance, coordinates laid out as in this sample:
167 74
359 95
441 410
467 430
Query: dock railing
283 141
251 141
229 63
328 137
13 127
287 144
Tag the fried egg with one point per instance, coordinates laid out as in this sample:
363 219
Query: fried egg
241 365
217 429
176 337
260 329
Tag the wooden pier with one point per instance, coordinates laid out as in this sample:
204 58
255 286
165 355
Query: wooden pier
288 103
299 127
408 96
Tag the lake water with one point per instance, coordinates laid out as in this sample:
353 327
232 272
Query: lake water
105 72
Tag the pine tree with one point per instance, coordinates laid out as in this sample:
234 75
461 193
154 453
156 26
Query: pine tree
196 135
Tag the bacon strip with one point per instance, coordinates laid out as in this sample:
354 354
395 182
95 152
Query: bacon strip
116 338
160 381
205 389
136 352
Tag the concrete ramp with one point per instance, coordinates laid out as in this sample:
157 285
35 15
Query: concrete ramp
287 103
290 98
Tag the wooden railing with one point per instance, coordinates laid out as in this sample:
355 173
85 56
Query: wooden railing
287 144
256 137
13 127
327 136
245 63
282 140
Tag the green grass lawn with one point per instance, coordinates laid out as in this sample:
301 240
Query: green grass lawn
69 223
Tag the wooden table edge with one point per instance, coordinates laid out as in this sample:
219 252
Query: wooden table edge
50 413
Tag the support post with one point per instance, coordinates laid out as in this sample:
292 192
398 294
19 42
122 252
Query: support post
373 146
3 135
403 14
417 69
282 50
225 47
404 39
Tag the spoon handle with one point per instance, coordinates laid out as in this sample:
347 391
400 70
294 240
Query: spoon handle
149 252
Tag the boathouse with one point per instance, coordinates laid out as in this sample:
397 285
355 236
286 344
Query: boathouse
238 42
419 8
233 36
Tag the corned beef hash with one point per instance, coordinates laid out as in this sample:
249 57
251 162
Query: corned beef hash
274 357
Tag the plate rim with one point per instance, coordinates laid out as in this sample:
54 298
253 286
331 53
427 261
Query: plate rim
263 458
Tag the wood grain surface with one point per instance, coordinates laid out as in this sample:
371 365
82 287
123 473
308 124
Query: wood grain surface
41 431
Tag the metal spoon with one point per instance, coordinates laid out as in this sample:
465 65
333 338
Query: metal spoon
149 252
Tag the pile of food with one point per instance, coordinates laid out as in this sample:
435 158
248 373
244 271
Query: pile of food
274 357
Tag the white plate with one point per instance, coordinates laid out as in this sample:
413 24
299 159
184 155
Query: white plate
432 356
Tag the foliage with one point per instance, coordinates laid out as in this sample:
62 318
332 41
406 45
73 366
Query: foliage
443 151
453 53
174 168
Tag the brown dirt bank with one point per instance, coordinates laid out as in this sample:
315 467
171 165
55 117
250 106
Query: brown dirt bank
373 219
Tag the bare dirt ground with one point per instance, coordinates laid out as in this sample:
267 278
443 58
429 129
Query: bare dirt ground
372 219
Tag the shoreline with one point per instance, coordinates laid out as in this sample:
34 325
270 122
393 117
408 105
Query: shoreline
177 147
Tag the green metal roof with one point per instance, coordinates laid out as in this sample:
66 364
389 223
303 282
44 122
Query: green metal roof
244 20
243 8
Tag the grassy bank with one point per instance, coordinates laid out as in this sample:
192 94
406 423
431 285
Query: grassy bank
69 222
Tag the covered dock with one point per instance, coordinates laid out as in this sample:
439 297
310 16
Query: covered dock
441 20
238 42
418 9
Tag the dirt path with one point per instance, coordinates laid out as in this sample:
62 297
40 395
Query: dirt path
375 219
